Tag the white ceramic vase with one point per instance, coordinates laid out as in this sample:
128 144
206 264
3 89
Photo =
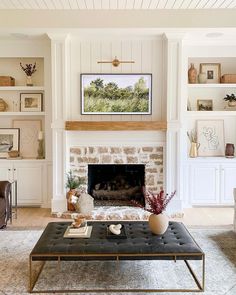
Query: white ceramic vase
158 223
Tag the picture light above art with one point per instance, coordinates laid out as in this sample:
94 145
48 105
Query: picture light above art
116 62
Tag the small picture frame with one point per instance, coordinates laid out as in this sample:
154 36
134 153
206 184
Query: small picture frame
31 102
9 141
205 105
212 70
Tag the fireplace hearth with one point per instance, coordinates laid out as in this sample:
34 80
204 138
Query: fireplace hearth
116 184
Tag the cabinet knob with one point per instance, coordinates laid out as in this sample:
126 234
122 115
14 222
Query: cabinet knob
14 169
9 169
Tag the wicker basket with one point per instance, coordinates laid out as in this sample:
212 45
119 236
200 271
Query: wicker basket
228 78
7 81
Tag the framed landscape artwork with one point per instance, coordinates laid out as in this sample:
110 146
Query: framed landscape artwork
210 135
112 94
9 141
31 102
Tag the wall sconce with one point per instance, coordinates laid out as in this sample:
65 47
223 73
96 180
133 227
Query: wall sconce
116 62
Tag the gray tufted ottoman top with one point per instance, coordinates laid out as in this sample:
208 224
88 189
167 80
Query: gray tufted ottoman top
176 243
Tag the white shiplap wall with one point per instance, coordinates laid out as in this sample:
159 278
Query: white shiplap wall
147 54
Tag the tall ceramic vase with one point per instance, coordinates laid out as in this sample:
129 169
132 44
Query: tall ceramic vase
192 74
70 206
158 223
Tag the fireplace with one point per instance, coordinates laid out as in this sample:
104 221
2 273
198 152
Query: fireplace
140 165
116 184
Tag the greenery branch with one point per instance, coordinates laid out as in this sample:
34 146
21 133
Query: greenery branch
72 181
230 98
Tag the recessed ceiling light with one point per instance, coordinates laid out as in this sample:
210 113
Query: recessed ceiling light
214 35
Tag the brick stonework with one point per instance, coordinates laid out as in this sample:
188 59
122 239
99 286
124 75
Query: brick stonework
150 156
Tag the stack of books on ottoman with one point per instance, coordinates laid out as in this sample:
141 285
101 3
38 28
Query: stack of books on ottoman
76 230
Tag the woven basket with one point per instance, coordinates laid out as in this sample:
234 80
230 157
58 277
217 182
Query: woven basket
228 78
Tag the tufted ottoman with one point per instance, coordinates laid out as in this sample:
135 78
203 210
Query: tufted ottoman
141 244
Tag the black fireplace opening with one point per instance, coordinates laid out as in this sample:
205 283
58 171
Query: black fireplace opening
116 185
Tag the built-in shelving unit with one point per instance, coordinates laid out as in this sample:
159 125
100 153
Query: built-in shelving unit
22 114
208 180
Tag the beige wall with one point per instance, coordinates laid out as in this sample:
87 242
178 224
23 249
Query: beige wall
121 19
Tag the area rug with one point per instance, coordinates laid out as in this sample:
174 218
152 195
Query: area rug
219 246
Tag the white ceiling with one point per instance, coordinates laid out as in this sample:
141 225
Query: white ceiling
117 4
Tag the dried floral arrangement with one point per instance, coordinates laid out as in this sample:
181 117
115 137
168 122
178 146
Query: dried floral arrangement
192 136
29 69
156 202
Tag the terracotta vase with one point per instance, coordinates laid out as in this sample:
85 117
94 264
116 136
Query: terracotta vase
192 74
158 223
70 206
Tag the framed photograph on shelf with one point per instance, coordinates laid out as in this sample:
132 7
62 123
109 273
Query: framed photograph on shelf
212 70
210 136
9 141
205 105
31 102
116 94
29 130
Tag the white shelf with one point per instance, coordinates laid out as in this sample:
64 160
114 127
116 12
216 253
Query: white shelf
220 85
22 114
210 113
21 88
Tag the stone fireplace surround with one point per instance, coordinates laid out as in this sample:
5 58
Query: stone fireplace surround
152 156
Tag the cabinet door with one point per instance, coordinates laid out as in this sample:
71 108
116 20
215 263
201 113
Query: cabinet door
29 183
228 183
205 184
6 171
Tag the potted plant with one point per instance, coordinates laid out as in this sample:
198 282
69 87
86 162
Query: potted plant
231 100
72 183
29 69
156 203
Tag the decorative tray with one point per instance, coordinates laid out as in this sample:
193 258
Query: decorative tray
122 235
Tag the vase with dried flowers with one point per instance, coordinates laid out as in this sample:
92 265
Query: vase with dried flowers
194 145
29 69
156 203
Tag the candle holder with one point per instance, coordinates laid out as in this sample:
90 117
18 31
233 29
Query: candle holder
40 149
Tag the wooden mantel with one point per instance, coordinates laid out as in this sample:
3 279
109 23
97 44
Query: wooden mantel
115 125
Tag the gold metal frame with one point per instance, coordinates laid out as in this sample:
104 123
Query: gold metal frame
199 283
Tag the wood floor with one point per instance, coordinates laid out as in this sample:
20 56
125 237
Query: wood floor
38 217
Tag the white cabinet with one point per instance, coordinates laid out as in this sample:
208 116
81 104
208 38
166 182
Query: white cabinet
29 177
212 184
228 183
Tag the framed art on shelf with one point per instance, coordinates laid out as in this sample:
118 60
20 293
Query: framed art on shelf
210 136
9 141
212 70
204 105
29 130
31 102
116 94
